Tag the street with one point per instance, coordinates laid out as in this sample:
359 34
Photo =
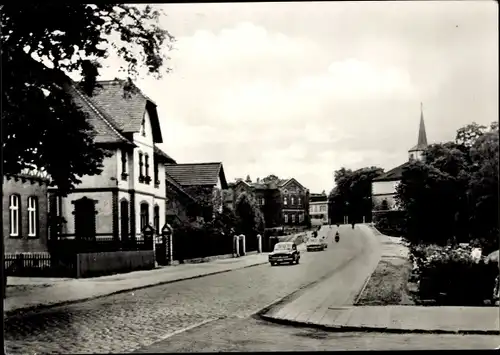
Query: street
124 322
212 313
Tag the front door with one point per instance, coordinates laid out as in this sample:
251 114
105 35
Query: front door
85 226
124 221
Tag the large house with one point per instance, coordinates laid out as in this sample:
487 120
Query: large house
130 193
284 202
205 182
384 187
318 209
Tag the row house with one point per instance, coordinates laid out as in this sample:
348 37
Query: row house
130 193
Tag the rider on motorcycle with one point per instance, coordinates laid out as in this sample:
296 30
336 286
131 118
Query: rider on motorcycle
337 236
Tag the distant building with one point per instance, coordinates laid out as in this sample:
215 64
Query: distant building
384 187
205 182
284 202
318 209
25 218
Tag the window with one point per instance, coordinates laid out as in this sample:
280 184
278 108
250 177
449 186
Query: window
285 200
143 127
323 208
262 201
293 218
155 172
141 176
299 201
14 215
301 218
286 218
32 216
157 218
144 215
293 200
124 164
147 178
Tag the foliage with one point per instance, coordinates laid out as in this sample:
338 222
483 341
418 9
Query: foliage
454 192
270 178
272 209
38 114
251 219
449 274
389 222
352 194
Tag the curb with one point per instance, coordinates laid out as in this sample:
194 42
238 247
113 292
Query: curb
24 310
351 329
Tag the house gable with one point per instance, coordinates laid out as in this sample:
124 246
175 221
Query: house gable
293 185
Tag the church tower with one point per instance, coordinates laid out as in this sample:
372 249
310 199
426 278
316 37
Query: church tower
417 152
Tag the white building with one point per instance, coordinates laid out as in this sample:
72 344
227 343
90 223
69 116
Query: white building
318 209
130 192
384 187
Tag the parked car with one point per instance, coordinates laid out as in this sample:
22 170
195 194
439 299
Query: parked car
315 244
284 252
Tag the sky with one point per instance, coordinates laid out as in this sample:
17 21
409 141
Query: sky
302 89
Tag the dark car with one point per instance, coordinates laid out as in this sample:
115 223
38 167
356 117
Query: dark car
284 252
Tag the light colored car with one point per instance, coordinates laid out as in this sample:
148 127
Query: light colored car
315 244
284 252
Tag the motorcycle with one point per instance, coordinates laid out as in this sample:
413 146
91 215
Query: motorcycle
337 237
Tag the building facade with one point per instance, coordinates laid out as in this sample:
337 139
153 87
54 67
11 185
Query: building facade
130 193
25 218
384 187
284 202
318 209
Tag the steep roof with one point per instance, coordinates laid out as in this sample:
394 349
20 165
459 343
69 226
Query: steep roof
127 111
197 174
164 155
422 135
394 174
177 186
284 182
105 130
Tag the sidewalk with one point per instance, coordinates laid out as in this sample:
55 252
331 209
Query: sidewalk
329 305
29 293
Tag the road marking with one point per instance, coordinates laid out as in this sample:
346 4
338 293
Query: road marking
169 335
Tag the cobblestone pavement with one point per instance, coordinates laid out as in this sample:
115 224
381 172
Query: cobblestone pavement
123 322
252 335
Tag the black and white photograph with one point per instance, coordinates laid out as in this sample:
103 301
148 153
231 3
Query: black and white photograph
250 176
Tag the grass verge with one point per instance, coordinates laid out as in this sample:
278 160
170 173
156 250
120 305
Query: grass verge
388 285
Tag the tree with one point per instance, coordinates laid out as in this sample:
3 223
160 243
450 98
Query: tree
270 178
42 126
352 193
251 220
454 192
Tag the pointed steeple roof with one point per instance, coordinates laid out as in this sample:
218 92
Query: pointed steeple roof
422 135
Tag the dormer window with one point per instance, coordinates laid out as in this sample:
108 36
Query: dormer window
143 127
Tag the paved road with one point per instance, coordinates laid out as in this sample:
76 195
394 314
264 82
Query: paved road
249 335
123 322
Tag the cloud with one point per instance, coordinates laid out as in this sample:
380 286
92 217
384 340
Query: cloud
307 92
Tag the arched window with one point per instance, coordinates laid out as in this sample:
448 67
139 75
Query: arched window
285 201
32 216
157 218
293 200
14 219
144 215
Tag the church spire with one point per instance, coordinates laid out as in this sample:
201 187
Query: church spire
422 136
417 151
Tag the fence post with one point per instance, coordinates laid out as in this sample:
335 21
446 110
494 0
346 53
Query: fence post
236 245
78 271
243 244
259 243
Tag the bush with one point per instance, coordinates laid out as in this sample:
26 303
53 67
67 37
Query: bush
450 275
